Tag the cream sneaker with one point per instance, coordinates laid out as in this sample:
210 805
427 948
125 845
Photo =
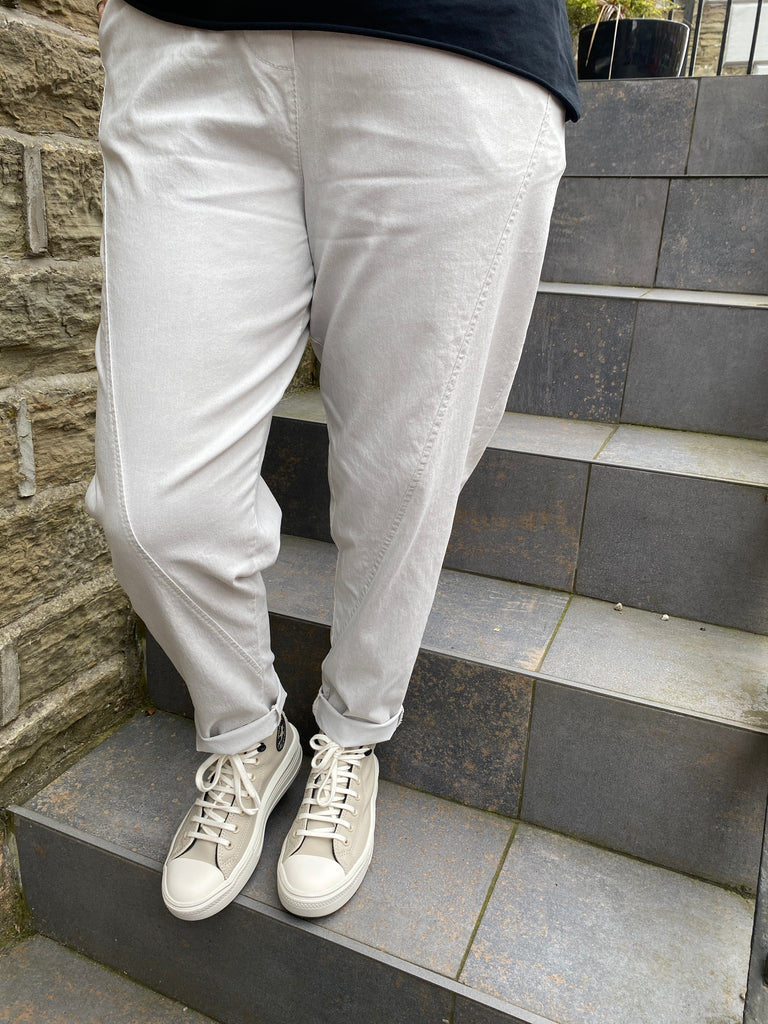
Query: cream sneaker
218 844
330 845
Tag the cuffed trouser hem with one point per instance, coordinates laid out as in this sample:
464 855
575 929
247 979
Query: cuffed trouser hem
247 736
352 732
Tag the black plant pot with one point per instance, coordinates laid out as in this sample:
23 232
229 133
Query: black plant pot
641 47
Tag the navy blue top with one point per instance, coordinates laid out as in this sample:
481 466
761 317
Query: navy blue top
528 37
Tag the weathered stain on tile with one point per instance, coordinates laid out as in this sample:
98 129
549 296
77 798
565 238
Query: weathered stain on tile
519 518
464 733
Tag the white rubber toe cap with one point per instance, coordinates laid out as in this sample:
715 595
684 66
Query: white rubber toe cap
312 876
190 881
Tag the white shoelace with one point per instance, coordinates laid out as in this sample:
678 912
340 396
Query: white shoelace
222 794
334 772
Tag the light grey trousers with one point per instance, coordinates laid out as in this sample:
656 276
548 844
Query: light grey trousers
392 202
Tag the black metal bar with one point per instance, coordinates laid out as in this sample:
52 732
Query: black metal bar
725 34
751 60
695 40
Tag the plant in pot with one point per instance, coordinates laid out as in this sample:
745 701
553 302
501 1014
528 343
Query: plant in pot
633 39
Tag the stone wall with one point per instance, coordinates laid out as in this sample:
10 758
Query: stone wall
69 653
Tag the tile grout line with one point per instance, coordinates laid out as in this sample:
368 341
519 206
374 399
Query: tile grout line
486 901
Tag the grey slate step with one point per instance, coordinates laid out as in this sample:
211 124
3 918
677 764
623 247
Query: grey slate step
705 233
643 735
670 127
464 916
683 360
43 982
668 521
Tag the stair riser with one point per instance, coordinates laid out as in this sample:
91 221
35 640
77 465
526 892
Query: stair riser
679 365
679 545
698 126
689 233
240 966
680 792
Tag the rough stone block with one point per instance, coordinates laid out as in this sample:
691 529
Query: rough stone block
50 81
72 177
63 419
632 127
71 634
48 317
49 544
12 238
50 732
699 367
12 912
79 15
715 236
729 133
575 358
606 231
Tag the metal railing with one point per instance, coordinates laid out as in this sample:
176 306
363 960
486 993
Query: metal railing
726 36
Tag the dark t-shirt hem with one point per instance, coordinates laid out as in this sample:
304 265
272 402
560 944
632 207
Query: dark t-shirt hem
570 100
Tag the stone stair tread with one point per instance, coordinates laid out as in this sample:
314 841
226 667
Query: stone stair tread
661 450
650 294
688 454
499 914
712 672
43 981
476 617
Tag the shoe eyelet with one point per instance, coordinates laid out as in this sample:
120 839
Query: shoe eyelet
235 829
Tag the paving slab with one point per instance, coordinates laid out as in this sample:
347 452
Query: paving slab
714 235
632 127
545 435
674 789
607 231
698 367
488 620
676 663
691 547
575 357
579 933
688 454
42 982
729 133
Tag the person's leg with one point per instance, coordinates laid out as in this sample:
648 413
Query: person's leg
207 286
429 190
428 204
